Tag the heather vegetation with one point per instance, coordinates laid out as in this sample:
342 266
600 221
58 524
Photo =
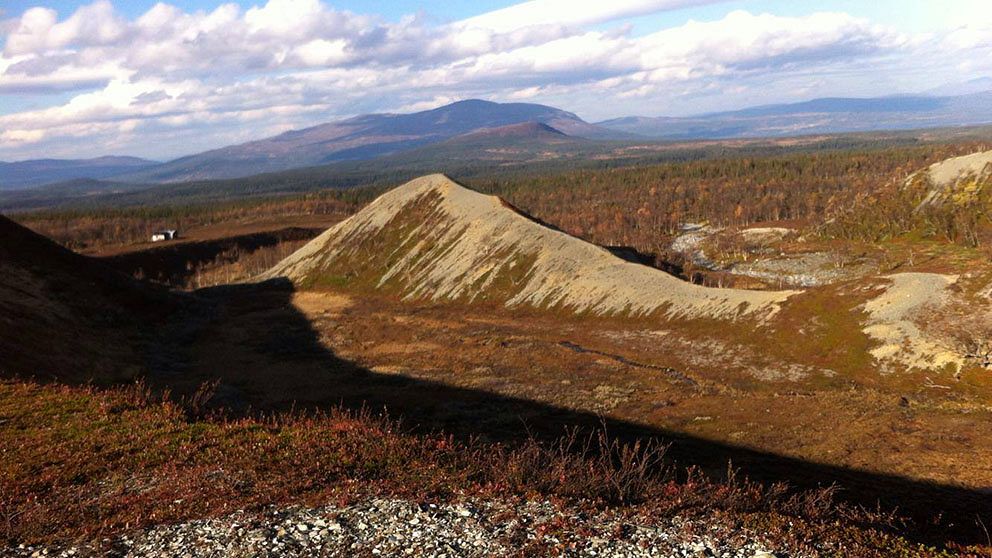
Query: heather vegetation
643 207
640 205
82 463
857 197
314 279
86 463
900 209
94 229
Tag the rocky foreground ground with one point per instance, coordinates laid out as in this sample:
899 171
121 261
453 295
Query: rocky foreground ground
390 527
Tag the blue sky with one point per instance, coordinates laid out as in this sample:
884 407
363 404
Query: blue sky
389 9
164 79
906 14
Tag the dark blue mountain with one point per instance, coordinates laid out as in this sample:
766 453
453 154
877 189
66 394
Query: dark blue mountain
818 116
363 137
26 174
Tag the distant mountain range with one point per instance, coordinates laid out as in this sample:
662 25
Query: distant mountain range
523 129
25 174
496 148
363 137
976 85
818 116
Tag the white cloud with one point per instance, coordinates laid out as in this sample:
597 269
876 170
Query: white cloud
321 52
285 17
186 81
433 103
525 93
18 137
38 29
571 13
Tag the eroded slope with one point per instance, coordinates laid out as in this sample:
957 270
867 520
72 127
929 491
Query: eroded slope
433 238
956 182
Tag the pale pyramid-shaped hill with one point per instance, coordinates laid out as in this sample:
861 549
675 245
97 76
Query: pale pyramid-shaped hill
958 177
433 238
975 165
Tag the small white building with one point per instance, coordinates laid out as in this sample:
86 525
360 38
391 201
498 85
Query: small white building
167 234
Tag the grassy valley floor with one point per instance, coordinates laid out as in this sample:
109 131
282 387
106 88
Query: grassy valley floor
295 382
87 471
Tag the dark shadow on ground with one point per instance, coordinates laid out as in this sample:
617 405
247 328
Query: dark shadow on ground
268 357
672 263
174 264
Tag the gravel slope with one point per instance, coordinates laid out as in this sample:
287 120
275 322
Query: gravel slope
891 321
471 240
391 527
947 177
950 170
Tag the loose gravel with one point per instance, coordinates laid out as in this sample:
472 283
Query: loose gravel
471 242
392 527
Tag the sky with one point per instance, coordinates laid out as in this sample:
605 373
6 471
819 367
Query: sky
165 79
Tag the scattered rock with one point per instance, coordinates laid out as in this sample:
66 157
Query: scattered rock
393 527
